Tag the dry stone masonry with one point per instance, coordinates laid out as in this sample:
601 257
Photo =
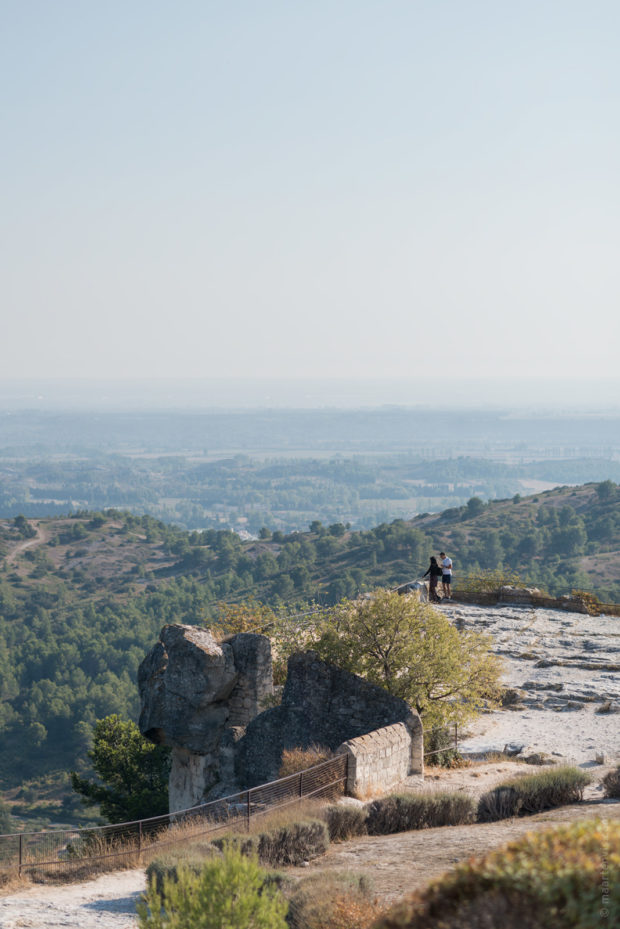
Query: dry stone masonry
321 705
380 759
205 700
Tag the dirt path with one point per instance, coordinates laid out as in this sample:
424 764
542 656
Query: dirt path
108 902
398 864
41 537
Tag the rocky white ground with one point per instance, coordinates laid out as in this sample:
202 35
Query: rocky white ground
564 667
108 902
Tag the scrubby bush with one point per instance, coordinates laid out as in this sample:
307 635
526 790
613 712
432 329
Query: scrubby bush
290 844
611 783
167 865
300 759
335 900
406 811
414 652
439 748
489 581
566 878
294 843
228 893
533 793
344 821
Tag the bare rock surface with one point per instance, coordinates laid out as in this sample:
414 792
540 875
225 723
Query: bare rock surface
108 902
563 671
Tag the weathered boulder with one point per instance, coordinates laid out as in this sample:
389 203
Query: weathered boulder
322 705
197 695
184 683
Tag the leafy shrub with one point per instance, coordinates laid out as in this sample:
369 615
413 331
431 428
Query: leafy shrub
589 601
566 878
533 793
439 748
290 844
414 652
611 783
489 581
228 893
300 759
406 811
294 843
335 900
345 821
166 867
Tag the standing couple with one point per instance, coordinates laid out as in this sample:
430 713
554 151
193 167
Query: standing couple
442 570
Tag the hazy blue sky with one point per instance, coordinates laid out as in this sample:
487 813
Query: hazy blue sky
341 188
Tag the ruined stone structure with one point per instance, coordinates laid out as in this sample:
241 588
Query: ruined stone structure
321 705
205 699
381 759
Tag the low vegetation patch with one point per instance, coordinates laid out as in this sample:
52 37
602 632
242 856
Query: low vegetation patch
489 581
440 748
567 878
533 793
290 844
168 865
335 900
295 760
611 783
231 892
406 811
345 821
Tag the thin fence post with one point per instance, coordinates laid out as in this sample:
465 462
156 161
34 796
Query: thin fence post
139 840
21 837
301 784
248 813
456 737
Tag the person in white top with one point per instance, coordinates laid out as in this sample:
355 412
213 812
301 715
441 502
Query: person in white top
446 574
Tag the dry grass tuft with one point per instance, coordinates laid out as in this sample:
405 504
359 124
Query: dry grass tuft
533 793
295 760
333 900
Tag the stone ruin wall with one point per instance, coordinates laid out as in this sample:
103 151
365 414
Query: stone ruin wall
205 700
380 759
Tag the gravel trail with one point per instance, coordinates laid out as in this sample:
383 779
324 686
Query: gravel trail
108 902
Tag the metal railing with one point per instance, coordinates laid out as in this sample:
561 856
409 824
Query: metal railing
70 851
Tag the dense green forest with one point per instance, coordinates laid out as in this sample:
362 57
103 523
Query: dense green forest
83 598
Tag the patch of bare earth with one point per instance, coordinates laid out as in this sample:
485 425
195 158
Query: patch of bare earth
398 864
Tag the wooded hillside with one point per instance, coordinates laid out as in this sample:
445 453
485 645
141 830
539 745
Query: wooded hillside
82 598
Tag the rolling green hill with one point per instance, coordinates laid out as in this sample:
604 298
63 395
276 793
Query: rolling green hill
82 598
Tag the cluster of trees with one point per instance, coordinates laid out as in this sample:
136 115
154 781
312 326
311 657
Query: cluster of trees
71 640
543 538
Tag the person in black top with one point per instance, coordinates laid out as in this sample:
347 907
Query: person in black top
434 571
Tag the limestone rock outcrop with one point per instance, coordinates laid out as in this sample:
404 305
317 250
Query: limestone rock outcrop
194 693
204 699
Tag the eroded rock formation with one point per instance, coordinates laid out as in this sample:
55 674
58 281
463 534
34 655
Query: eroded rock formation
205 699
195 692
